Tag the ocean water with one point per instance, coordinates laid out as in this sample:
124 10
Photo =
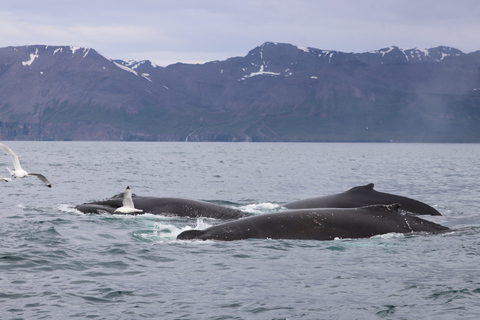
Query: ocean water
56 263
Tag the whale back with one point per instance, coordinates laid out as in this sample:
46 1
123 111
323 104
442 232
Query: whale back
166 207
363 196
318 224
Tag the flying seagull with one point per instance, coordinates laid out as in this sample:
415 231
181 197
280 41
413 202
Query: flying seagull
127 202
19 172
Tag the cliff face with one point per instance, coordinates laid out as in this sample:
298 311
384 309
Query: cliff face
277 92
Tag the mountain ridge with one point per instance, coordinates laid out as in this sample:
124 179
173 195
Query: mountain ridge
276 92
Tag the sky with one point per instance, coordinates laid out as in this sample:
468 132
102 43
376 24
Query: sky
198 31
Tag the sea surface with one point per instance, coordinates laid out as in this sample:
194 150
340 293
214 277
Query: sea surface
57 263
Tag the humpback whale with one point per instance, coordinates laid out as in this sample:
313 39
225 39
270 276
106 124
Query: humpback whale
363 196
164 206
317 224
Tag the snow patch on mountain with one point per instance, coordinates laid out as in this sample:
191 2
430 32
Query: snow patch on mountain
383 51
419 54
33 56
73 49
125 68
134 64
261 72
304 49
86 51
147 76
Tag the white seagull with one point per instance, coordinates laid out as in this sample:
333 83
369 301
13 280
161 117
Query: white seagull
19 172
127 202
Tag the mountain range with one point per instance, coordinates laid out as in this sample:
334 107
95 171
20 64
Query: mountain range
277 92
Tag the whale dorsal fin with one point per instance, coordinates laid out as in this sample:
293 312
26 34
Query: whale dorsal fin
367 187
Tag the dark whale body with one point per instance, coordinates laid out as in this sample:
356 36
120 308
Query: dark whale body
317 224
363 196
166 207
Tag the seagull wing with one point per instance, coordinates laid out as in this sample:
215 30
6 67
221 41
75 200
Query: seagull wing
127 198
42 178
16 161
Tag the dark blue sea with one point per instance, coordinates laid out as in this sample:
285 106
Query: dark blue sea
57 263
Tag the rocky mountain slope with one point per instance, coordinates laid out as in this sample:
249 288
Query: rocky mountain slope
277 92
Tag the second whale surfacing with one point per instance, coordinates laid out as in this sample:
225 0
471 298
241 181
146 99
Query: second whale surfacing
165 206
363 196
318 224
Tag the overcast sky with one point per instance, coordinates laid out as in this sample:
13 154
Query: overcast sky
197 31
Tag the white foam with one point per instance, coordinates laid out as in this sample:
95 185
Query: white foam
263 207
66 208
162 231
389 235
